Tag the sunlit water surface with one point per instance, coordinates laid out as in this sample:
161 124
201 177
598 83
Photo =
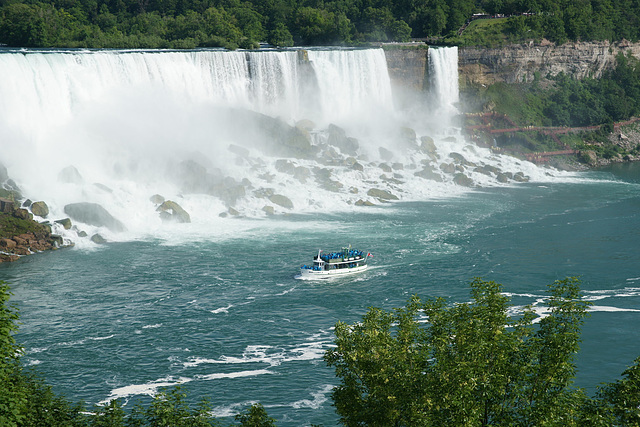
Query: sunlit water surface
223 314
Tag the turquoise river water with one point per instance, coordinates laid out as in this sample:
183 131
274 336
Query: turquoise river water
224 316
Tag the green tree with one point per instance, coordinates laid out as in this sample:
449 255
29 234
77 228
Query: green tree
12 397
22 25
280 36
622 399
255 416
470 364
170 409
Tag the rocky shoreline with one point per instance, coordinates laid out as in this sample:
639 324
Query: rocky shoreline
20 235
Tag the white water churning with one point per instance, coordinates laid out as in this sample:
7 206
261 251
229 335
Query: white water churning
219 130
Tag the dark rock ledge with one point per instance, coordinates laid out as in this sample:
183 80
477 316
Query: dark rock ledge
20 235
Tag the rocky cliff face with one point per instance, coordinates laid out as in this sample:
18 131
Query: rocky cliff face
519 63
408 68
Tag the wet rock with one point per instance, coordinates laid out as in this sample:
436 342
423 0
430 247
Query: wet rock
458 158
269 210
264 193
93 214
302 173
281 200
357 167
429 173
193 177
448 168
70 175
385 154
9 257
427 145
487 170
501 177
306 124
338 138
66 223
520 177
102 187
10 190
381 194
385 167
463 180
229 193
408 134
361 202
323 178
40 209
172 211
98 239
285 166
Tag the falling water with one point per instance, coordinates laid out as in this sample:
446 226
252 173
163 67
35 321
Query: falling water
443 67
225 131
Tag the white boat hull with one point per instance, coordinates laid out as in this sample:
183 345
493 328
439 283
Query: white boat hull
307 273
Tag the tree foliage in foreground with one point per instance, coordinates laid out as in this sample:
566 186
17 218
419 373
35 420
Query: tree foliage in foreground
433 364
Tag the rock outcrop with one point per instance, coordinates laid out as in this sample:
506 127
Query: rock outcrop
20 236
93 214
409 67
171 211
521 63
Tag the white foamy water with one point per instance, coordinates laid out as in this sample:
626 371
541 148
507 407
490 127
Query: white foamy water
215 130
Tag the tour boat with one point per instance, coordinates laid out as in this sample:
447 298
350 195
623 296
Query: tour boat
325 265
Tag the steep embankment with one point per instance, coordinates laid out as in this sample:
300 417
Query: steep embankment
408 67
520 63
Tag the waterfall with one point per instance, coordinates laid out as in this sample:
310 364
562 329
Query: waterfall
224 132
443 71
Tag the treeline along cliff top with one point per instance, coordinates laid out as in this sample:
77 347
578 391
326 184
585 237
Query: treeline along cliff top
235 23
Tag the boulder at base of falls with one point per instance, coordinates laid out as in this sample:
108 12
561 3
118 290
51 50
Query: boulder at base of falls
98 239
40 209
381 194
338 138
70 175
281 200
427 145
520 177
65 222
463 180
171 211
93 214
429 173
269 210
